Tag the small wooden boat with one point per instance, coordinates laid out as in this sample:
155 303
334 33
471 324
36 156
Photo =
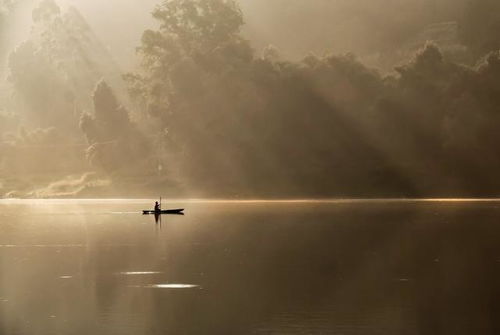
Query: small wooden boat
165 211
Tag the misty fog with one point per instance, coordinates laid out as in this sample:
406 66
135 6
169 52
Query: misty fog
255 98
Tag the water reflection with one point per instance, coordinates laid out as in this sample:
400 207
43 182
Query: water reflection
251 268
139 273
169 286
158 217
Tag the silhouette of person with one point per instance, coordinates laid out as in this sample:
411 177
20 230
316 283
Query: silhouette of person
157 206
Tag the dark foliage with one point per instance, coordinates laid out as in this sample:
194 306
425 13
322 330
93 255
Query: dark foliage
327 126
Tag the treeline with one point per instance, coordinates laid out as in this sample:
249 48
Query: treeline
326 126
211 116
49 83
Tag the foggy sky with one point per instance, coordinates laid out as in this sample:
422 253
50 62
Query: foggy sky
295 27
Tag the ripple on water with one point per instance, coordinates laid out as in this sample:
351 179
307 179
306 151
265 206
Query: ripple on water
173 286
139 273
168 286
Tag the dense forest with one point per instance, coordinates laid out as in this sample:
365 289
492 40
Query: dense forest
211 113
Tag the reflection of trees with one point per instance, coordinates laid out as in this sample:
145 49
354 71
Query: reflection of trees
396 268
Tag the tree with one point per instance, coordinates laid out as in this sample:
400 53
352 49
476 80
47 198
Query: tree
114 140
196 39
110 121
5 7
47 10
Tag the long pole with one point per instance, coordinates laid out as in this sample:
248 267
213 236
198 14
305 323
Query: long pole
160 203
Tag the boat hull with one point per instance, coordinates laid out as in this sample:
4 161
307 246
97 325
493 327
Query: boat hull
166 211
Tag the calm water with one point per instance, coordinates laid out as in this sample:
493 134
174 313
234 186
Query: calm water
89 267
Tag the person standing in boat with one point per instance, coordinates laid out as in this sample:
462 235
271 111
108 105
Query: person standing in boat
157 206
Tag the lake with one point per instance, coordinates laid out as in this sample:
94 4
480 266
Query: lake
334 267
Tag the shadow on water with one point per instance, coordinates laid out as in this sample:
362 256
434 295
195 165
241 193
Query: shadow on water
259 269
158 218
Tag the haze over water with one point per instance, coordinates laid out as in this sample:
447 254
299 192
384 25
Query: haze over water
363 267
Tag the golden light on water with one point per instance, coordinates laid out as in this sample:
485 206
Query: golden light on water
43 202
